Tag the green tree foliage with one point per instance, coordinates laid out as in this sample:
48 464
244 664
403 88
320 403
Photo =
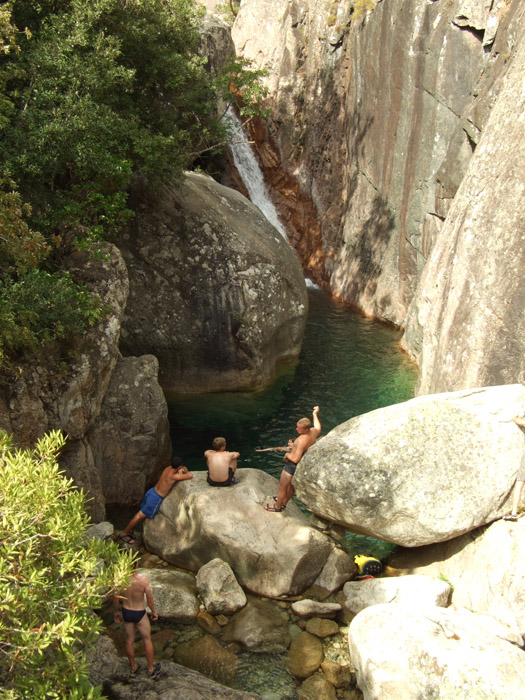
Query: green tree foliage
51 577
94 95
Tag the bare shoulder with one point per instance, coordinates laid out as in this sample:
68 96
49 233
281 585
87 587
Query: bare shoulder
141 581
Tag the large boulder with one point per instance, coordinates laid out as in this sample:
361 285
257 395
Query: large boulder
420 472
402 654
271 554
417 591
226 292
486 569
131 440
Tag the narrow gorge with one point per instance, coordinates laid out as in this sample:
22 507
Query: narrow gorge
386 172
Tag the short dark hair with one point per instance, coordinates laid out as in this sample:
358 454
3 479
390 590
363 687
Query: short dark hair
176 462
218 442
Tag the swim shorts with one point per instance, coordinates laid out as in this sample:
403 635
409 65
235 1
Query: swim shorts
229 481
521 470
290 467
151 503
132 615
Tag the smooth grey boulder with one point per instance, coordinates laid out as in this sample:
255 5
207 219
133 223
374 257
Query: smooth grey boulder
338 569
223 287
260 626
309 608
131 440
174 593
271 554
416 590
485 567
423 471
402 654
219 589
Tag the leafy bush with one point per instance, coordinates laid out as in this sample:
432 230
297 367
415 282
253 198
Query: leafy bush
51 577
41 308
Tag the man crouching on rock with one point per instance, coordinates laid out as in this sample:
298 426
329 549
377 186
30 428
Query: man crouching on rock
153 498
307 436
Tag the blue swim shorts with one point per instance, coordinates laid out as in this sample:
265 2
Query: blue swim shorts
151 503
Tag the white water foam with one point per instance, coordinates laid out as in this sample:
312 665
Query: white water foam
251 173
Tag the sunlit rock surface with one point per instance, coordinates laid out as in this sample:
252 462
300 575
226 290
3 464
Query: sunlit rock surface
432 653
271 554
486 569
419 472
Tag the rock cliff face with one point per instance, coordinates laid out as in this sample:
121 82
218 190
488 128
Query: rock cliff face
376 115
113 418
216 294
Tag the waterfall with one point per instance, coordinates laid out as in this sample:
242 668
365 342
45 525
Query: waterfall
251 173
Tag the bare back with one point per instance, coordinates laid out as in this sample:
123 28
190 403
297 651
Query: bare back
168 477
133 596
219 463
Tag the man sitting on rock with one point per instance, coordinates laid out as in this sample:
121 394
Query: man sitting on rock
520 479
307 436
221 463
153 498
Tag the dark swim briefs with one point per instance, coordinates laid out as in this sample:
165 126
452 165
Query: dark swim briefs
290 467
132 615
151 503
229 481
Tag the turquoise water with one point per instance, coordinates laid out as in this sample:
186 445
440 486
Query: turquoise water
348 365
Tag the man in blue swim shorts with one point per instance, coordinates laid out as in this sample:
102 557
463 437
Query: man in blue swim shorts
153 498
308 434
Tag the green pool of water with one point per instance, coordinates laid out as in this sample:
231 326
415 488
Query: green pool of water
348 365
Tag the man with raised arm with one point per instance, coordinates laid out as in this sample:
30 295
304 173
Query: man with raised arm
308 434
153 497
221 463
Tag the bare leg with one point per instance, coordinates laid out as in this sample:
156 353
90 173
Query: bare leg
284 486
145 630
233 465
289 493
135 520
129 628
516 496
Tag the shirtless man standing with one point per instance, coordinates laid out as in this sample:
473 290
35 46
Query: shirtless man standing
135 617
221 464
153 498
307 436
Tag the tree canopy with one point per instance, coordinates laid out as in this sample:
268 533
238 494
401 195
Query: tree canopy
95 94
